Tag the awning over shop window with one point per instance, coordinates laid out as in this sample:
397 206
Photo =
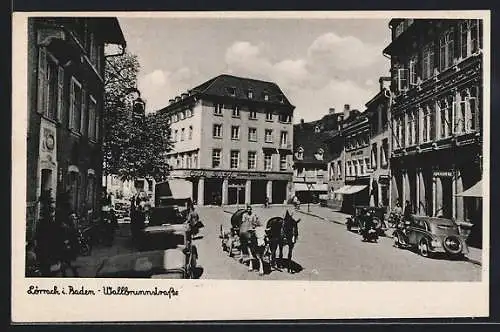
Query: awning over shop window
175 188
474 191
314 187
348 190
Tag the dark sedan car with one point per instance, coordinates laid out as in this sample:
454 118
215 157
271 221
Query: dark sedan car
431 235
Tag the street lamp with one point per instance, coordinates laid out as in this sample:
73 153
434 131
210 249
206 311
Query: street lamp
310 185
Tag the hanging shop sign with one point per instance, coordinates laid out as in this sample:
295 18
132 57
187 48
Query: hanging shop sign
443 174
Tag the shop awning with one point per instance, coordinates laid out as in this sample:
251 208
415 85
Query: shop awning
474 191
314 187
348 190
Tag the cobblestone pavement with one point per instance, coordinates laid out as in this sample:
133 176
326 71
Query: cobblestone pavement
325 251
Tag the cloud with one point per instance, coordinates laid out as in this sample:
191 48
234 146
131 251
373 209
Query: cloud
246 58
342 53
158 86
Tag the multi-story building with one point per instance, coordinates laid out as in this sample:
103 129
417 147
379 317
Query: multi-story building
356 132
233 140
437 115
311 156
377 111
65 103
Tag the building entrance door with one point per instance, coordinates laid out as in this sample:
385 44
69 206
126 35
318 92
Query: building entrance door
447 197
236 192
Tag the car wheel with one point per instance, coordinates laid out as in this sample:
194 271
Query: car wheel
423 248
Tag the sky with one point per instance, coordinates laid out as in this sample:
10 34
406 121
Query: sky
318 63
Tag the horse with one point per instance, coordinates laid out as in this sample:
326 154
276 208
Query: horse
281 232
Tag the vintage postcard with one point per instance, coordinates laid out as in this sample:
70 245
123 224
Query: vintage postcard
186 166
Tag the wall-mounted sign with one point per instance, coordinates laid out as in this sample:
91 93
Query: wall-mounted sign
350 178
443 174
237 175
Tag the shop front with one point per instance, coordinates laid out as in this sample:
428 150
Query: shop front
212 187
356 192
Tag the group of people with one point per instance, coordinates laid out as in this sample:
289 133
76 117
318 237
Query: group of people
55 245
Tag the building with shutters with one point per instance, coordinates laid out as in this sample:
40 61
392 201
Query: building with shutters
233 139
436 114
65 103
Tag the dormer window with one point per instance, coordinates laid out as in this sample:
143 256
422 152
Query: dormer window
300 153
319 154
282 99
250 94
266 96
231 91
317 129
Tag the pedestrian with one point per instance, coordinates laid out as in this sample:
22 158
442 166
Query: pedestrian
266 202
193 219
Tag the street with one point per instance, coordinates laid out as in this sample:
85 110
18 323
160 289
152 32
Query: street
324 251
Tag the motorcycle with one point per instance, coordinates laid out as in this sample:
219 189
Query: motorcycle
369 231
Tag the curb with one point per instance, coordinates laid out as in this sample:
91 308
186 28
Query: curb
322 218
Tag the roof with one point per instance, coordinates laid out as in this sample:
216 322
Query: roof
218 86
110 30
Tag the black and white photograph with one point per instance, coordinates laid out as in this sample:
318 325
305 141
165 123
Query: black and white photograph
252 149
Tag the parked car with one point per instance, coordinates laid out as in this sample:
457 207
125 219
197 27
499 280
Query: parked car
161 264
361 213
431 235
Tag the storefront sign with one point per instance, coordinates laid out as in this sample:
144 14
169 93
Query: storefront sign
357 153
443 174
350 178
237 175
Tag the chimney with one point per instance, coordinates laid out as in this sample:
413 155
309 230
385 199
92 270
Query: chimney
347 109
331 110
340 119
171 101
177 98
184 95
301 122
384 82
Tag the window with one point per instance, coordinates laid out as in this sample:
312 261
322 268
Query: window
90 191
339 169
252 160
467 114
218 109
190 134
446 50
428 61
235 159
216 158
411 128
195 160
445 117
268 162
217 131
283 162
52 90
235 132
188 161
182 134
374 156
269 116
266 96
178 162
285 118
231 91
426 124
93 50
252 134
367 164
317 129
469 38
355 166
176 135
269 135
361 167
236 112
319 154
92 118
189 113
284 138
252 115
182 115
413 71
282 99
349 168
175 117
76 105
384 152
300 153
250 94
402 79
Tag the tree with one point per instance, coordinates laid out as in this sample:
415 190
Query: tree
132 147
